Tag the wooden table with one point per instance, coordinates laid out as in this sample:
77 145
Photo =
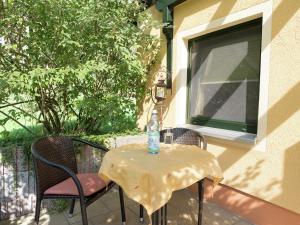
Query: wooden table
150 179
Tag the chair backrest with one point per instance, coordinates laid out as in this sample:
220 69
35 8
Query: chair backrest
186 136
59 150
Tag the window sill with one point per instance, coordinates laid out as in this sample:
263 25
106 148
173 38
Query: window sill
224 134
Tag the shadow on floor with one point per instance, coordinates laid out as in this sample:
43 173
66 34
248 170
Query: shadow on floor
182 210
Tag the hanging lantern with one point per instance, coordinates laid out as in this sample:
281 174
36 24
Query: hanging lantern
160 90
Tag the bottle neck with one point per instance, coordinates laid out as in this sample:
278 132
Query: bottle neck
154 116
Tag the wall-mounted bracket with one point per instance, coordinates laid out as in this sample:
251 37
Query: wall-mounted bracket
166 7
168 32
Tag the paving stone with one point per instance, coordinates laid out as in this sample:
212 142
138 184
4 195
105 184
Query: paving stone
45 219
95 209
114 218
112 200
134 208
182 210
223 215
242 222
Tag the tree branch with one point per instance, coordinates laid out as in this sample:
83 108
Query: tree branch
16 121
27 113
16 103
2 10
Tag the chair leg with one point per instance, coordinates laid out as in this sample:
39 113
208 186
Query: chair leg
37 209
166 214
122 206
162 215
153 218
157 217
200 197
71 210
83 211
141 213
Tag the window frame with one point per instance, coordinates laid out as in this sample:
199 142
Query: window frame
218 123
180 65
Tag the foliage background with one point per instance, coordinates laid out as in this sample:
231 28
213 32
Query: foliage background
74 66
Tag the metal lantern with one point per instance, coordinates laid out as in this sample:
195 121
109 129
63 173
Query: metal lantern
160 90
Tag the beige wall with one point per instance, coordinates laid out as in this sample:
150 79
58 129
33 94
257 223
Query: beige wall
148 104
272 175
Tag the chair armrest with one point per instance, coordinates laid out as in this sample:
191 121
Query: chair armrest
63 168
203 139
95 145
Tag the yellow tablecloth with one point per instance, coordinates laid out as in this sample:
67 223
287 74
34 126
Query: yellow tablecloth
151 179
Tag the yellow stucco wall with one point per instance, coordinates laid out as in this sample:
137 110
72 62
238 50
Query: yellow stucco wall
273 175
148 104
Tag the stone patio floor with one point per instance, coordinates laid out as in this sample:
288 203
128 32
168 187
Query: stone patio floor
182 210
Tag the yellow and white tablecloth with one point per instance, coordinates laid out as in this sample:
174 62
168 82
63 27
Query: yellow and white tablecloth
150 179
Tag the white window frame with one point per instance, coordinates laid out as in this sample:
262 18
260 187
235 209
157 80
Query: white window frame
182 38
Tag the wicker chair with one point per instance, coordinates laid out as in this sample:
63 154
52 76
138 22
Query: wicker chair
57 176
187 137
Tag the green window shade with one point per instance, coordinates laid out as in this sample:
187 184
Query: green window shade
224 72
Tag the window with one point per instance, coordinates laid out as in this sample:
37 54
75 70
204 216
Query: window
223 78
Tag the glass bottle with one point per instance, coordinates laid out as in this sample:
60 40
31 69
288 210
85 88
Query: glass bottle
153 133
168 136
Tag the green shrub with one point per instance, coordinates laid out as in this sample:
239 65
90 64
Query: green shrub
9 140
74 60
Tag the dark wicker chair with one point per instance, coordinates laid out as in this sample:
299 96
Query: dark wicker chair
57 176
187 137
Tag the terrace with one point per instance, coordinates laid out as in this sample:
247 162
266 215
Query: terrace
223 73
106 211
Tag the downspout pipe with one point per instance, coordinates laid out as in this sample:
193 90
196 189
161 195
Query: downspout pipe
166 7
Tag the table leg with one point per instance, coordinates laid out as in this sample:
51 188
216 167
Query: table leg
122 205
141 213
157 217
200 203
162 215
165 214
153 218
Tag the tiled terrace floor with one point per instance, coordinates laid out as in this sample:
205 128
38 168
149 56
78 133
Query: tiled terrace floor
182 210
